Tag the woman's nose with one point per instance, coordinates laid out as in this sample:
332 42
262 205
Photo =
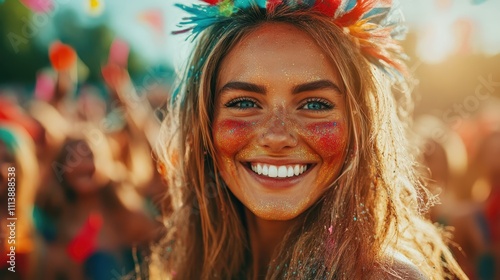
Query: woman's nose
278 134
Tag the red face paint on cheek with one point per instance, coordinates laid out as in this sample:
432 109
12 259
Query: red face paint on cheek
327 137
231 135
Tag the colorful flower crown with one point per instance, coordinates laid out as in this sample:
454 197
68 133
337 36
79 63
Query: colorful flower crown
373 24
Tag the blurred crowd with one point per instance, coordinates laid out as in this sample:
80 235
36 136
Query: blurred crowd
86 186
88 190
461 161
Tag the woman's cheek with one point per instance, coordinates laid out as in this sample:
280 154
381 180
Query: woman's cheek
231 136
327 138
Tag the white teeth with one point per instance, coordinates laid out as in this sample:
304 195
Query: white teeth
282 171
296 170
265 170
273 171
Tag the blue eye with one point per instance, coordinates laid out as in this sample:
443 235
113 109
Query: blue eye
241 103
317 104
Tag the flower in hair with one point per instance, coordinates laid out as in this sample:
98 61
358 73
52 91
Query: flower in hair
373 24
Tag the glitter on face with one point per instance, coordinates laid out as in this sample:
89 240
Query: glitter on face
329 136
231 132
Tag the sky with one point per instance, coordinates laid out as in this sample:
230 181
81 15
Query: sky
443 26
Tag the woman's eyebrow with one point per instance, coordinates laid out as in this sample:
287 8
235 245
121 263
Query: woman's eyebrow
244 86
249 87
316 85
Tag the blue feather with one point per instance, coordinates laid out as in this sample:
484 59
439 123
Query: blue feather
350 5
202 17
242 4
376 12
261 3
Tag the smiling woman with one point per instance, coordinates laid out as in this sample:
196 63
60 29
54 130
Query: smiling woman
284 152
278 93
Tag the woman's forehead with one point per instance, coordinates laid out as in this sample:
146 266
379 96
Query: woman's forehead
280 31
277 51
274 37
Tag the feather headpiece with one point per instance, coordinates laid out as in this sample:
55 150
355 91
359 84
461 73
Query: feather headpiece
374 25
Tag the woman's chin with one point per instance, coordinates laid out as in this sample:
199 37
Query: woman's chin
276 211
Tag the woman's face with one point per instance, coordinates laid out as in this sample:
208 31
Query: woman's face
280 126
80 168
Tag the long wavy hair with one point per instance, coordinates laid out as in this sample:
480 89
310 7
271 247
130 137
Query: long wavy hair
372 209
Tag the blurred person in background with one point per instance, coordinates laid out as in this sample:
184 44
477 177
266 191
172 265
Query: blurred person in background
12 112
54 108
478 232
488 163
445 160
18 161
475 189
445 157
96 219
132 128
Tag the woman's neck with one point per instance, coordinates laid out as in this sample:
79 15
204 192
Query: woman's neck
265 235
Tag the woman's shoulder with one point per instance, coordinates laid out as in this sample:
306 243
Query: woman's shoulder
397 266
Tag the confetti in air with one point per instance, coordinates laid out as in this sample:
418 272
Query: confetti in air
153 18
38 6
63 57
45 86
95 7
85 242
119 52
